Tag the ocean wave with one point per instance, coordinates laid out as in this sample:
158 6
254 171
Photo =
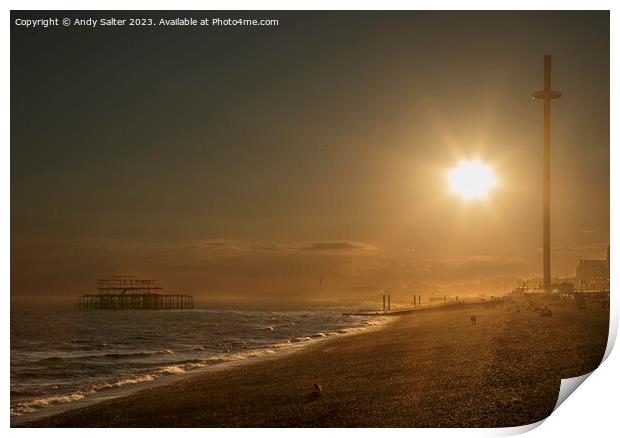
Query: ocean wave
50 360
173 369
58 359
25 392
34 405
178 362
121 382
284 344
83 344
130 355
240 356
50 373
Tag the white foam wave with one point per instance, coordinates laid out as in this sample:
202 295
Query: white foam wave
31 406
34 405
172 370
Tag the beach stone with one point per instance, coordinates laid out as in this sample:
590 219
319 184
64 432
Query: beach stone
317 390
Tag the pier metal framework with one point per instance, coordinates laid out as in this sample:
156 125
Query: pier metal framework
127 284
124 292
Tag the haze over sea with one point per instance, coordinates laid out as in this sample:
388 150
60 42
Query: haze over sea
61 357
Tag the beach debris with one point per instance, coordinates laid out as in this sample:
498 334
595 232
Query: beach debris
317 390
545 312
315 394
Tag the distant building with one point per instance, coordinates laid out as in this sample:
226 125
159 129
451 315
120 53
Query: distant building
608 256
593 274
566 287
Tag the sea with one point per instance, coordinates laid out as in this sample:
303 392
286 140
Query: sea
62 358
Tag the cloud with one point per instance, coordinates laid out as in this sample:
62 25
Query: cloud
472 267
214 244
335 245
215 266
589 250
218 244
472 260
266 247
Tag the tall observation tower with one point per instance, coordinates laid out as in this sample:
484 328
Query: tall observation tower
547 95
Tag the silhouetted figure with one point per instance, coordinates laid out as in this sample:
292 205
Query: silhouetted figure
475 321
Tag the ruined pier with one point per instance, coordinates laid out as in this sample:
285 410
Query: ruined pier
123 292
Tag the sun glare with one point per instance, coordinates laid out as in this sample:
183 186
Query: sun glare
471 179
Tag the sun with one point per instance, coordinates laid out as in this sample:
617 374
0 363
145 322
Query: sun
471 179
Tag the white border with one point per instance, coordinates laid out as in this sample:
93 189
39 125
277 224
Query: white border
592 411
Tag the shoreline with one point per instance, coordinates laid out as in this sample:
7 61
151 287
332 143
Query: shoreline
265 354
427 369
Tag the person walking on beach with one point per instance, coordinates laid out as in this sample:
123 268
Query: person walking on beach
474 319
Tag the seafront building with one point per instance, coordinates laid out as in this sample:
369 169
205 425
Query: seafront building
593 274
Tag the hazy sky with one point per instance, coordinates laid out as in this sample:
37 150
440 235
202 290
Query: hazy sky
223 160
